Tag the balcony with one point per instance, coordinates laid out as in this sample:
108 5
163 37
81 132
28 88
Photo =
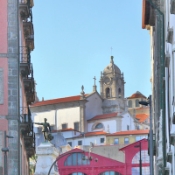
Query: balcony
172 9
30 42
24 8
25 124
28 29
25 65
30 97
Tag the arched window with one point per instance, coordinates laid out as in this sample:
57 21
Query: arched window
78 173
119 91
76 159
137 103
130 103
99 126
145 159
107 93
110 173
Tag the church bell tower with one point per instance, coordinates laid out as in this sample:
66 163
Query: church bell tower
112 82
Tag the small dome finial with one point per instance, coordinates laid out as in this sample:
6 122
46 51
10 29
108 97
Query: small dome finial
112 61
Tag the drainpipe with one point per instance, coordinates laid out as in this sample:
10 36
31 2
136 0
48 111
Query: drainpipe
161 86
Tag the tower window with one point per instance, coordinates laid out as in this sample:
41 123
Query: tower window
119 91
130 103
137 103
107 92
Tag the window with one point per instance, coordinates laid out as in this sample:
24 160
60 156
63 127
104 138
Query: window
76 126
107 92
130 103
116 141
119 91
80 142
70 143
110 173
64 126
102 140
99 126
126 140
137 103
128 127
76 159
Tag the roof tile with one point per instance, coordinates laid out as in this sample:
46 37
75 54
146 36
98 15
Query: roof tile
130 132
104 116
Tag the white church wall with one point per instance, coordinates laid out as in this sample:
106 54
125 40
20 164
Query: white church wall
39 117
109 125
93 106
127 122
68 116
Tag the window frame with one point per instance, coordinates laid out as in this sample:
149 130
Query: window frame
79 142
102 138
78 126
64 124
115 141
126 142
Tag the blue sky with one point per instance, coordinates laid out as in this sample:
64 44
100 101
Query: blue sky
73 40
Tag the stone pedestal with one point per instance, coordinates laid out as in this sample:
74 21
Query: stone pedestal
46 155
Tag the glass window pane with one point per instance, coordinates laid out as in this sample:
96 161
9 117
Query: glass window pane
80 159
74 159
116 141
69 161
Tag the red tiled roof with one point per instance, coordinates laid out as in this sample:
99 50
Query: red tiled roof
104 116
136 95
130 132
89 134
58 100
141 117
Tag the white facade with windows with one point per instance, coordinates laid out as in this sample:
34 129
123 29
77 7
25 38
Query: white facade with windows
79 112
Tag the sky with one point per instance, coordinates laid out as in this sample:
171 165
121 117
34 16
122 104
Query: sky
73 41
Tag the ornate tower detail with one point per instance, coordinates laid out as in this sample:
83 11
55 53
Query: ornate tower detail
112 82
82 93
94 87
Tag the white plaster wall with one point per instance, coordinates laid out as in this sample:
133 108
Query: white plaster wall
39 117
110 125
69 116
68 134
87 140
127 120
93 106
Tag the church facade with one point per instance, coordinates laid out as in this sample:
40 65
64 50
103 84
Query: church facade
106 111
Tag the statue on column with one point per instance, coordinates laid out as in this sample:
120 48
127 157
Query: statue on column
46 129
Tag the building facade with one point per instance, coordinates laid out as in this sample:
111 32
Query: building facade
17 90
158 17
106 112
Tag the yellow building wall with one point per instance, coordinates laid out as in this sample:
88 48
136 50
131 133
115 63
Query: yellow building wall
132 139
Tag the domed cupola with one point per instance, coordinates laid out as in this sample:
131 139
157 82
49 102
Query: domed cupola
112 68
112 82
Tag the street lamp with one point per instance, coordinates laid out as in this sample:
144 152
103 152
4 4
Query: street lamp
140 161
146 103
5 150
